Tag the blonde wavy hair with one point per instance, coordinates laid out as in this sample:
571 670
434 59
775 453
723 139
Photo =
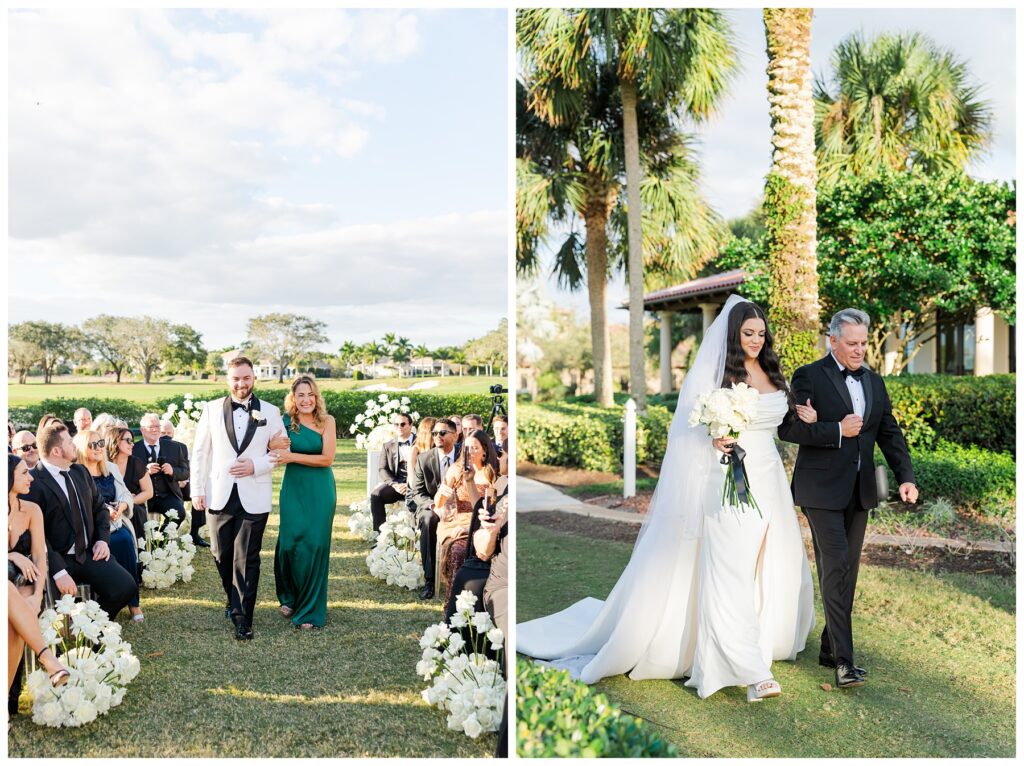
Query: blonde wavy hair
424 437
81 441
319 410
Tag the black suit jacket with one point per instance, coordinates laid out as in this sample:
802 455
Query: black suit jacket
171 452
57 524
391 469
826 473
428 477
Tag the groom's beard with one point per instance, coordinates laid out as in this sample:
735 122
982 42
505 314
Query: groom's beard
242 394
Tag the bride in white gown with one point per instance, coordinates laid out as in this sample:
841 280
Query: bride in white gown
711 594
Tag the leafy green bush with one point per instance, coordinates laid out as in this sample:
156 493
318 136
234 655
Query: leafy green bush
969 476
557 717
64 408
587 436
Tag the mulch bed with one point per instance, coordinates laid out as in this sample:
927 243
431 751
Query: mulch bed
925 559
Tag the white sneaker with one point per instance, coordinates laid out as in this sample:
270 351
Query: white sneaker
763 689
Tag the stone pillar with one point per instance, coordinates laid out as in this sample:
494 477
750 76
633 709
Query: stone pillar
710 311
666 352
984 342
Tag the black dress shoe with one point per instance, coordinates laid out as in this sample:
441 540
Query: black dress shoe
427 592
227 611
828 661
201 543
847 677
243 632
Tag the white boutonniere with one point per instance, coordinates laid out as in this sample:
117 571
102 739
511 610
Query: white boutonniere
258 417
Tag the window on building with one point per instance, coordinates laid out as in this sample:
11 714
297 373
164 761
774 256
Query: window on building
955 344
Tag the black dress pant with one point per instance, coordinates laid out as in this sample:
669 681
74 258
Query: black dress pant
838 538
238 537
166 503
383 495
426 521
113 586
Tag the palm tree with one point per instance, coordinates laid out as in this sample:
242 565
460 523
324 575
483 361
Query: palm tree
444 353
790 187
571 166
422 352
458 357
348 353
896 101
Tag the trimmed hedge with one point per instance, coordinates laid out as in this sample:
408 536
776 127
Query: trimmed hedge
980 479
587 436
343 405
557 717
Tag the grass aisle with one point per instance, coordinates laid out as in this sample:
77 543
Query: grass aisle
939 648
347 690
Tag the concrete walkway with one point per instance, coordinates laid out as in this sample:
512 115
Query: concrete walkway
532 495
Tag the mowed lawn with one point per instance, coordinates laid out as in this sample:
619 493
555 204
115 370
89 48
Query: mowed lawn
940 650
349 690
35 390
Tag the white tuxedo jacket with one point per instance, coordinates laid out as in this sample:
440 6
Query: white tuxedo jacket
215 449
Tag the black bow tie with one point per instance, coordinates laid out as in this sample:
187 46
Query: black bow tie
239 406
855 374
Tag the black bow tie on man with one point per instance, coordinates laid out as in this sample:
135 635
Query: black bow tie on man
240 405
855 374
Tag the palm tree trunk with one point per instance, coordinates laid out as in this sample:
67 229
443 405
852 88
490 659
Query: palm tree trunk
598 210
790 188
631 142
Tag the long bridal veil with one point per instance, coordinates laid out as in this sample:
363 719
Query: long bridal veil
647 626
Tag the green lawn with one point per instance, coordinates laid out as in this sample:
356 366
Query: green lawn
347 690
940 651
35 390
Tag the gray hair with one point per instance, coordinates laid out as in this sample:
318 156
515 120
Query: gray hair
149 416
846 316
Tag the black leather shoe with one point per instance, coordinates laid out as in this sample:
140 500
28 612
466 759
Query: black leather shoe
243 632
847 677
227 611
427 592
828 661
201 543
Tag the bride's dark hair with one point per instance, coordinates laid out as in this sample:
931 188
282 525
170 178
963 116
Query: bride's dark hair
735 356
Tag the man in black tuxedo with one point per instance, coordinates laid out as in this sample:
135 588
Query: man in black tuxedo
76 524
431 466
834 478
393 470
167 463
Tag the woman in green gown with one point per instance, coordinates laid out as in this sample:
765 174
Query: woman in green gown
308 499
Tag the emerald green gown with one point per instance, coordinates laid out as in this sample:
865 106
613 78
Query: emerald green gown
303 553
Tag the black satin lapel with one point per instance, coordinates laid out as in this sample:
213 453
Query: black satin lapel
865 382
229 424
840 383
250 426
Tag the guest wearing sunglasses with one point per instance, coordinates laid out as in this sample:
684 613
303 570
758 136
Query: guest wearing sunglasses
24 446
431 467
119 452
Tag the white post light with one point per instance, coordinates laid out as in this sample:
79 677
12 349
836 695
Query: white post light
629 450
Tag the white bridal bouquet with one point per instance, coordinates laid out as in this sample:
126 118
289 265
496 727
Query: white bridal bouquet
101 665
373 428
185 420
396 557
360 521
466 683
166 555
727 412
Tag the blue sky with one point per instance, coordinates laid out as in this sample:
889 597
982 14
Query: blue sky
734 146
208 166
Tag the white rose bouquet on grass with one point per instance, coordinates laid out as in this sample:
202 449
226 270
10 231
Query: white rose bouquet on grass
372 428
360 521
396 556
100 663
466 683
166 555
728 412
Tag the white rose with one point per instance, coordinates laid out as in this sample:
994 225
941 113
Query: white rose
72 697
472 727
51 713
85 713
482 621
496 637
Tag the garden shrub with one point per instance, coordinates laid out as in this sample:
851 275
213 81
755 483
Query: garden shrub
557 717
64 408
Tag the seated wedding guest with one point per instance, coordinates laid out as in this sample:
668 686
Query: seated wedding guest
26 576
167 464
92 454
488 525
198 517
77 524
82 419
102 422
500 427
166 429
457 420
496 602
119 441
424 440
393 471
45 420
24 446
465 485
431 467
11 430
471 423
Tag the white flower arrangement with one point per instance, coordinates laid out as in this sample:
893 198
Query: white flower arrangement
372 428
166 554
464 682
185 420
100 663
360 521
396 556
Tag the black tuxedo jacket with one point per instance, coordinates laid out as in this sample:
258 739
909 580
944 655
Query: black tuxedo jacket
428 477
392 470
171 452
826 473
58 526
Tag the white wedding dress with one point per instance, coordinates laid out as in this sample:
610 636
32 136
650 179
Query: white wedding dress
711 594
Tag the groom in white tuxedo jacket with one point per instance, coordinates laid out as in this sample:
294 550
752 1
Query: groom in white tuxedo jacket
231 480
